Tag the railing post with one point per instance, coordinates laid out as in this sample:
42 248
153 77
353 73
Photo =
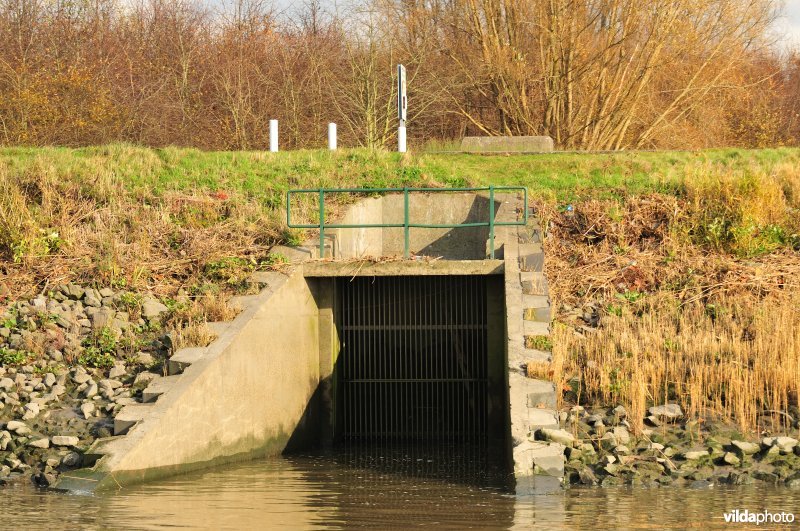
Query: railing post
322 223
407 243
491 221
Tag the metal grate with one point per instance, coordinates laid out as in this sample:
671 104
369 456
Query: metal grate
414 358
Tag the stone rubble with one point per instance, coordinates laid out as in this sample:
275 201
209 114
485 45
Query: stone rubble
69 361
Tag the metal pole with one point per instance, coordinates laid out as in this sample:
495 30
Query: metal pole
321 223
407 244
273 136
491 220
332 136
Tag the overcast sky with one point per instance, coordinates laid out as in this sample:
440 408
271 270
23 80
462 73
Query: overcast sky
792 22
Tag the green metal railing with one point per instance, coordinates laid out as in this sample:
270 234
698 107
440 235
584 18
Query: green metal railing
406 225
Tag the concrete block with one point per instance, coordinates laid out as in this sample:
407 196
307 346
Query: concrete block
535 301
534 283
541 394
548 459
542 315
542 418
183 358
128 416
530 248
531 262
507 144
535 328
538 356
158 387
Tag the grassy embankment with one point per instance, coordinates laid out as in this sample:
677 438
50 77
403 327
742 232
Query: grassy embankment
675 277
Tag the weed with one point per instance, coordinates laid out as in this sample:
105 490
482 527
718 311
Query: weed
12 357
538 342
94 357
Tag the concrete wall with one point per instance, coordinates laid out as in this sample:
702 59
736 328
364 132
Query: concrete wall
437 208
243 399
507 144
358 243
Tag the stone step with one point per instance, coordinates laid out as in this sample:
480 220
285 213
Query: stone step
531 262
242 302
129 416
534 283
535 328
158 387
183 358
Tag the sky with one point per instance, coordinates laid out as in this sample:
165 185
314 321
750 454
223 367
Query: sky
792 21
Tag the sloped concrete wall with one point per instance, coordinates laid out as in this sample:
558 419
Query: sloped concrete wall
242 399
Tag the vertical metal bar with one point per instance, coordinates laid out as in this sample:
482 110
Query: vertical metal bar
288 208
322 223
407 245
491 220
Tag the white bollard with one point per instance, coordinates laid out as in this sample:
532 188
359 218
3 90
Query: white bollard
401 139
273 136
332 136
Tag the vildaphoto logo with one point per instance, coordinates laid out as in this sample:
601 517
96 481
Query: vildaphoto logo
765 517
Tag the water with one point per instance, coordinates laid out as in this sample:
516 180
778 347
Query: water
321 493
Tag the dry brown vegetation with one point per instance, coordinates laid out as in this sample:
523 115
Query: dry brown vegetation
694 306
593 74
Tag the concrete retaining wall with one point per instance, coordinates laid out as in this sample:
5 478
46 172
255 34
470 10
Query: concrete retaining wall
242 399
438 208
507 144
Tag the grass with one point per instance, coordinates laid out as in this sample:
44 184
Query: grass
691 256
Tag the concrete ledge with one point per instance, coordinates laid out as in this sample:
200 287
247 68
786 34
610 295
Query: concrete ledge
128 416
507 144
367 268
535 328
183 358
242 302
534 283
158 387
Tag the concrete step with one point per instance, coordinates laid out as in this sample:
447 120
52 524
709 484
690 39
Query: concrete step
129 416
242 302
183 358
266 278
532 261
542 418
218 327
158 387
533 458
293 255
534 283
548 459
540 394
535 328
535 301
538 356
542 315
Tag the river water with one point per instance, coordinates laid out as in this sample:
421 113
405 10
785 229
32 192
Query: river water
323 493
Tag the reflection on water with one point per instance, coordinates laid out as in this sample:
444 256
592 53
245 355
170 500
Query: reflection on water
319 492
